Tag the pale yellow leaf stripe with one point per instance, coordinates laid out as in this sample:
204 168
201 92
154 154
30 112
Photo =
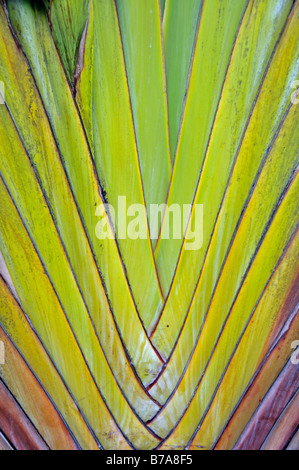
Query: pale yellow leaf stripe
274 177
258 34
104 102
249 352
21 179
218 25
221 315
88 375
251 156
27 111
180 26
141 35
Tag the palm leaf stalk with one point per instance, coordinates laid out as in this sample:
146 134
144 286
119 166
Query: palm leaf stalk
137 342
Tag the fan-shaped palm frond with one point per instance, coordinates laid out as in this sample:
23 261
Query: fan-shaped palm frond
118 329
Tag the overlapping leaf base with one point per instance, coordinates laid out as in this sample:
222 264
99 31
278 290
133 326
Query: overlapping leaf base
141 343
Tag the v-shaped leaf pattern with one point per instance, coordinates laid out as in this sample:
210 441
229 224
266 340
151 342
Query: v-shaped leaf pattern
137 342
